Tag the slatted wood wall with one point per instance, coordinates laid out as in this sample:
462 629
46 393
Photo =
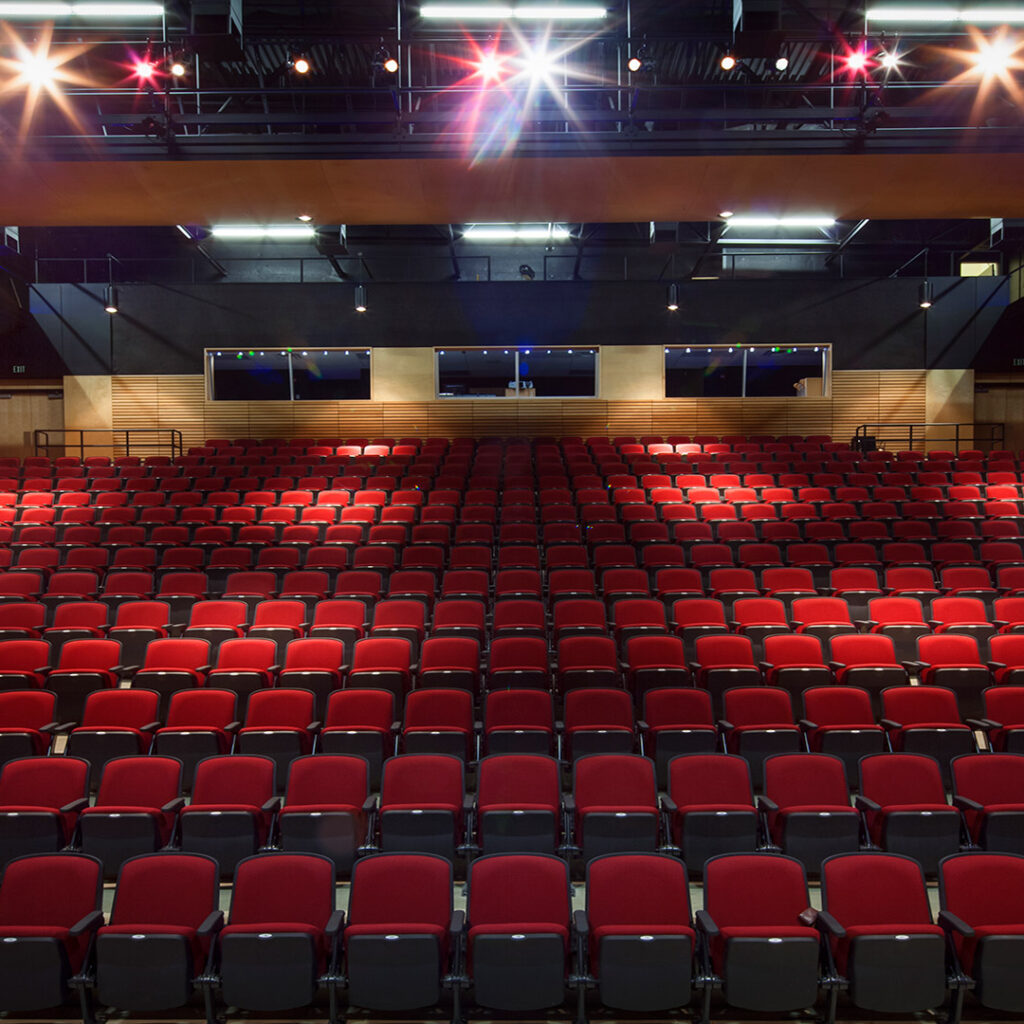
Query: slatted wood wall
858 396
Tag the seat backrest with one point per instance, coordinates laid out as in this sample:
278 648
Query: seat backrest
710 779
376 654
698 611
728 650
328 780
89 655
280 888
440 709
131 709
233 779
894 779
782 649
863 649
909 705
177 889
983 889
218 613
201 707
280 709
413 779
755 890
242 654
519 709
758 705
449 652
793 780
360 708
25 655
959 609
826 610
864 889
316 652
177 652
896 610
50 890
1005 704
43 781
507 889
838 705
518 652
948 649
27 709
401 889
989 778
760 611
654 651
598 708
279 613
516 779
679 706
637 889
139 782
613 780
1007 649
587 652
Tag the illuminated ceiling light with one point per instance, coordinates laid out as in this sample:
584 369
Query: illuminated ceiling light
507 12
728 62
178 68
515 233
144 70
110 300
641 60
796 221
305 217
360 299
634 63
994 56
857 61
725 214
924 295
383 61
890 61
391 65
490 67
672 304
253 231
776 241
84 10
37 68
781 63
300 65
538 64
948 14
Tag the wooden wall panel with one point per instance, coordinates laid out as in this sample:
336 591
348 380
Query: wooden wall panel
858 396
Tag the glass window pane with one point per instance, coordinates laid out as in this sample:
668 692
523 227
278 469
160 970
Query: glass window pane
332 375
249 376
778 370
703 372
475 373
559 372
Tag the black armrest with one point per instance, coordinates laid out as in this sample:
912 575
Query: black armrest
50 727
827 923
272 805
725 725
580 923
836 665
396 727
706 924
668 805
369 805
173 806
89 923
335 923
765 666
458 922
468 802
983 723
965 803
569 803
951 923
765 803
213 923
806 723
314 726
65 726
914 666
863 803
994 666
642 725
865 625
559 725
888 723
232 726
76 805
151 727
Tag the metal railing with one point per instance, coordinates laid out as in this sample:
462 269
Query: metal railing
137 441
979 436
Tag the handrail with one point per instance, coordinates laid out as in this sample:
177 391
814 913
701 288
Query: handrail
159 440
904 433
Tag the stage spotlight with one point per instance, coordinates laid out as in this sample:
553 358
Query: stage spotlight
672 303
781 63
538 64
728 62
634 63
145 70
489 67
360 298
924 295
178 68
857 61
890 61
640 61
110 300
383 61
38 69
994 56
526 272
300 65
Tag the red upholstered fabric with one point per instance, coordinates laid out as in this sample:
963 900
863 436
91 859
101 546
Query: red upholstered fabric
996 781
614 782
44 784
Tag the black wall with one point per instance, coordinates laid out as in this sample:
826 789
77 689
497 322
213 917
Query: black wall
873 324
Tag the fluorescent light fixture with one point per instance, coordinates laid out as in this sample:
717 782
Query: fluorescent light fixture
506 12
185 231
966 16
515 233
253 231
66 10
776 241
740 221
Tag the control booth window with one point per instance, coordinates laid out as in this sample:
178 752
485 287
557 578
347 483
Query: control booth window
285 375
747 371
526 372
